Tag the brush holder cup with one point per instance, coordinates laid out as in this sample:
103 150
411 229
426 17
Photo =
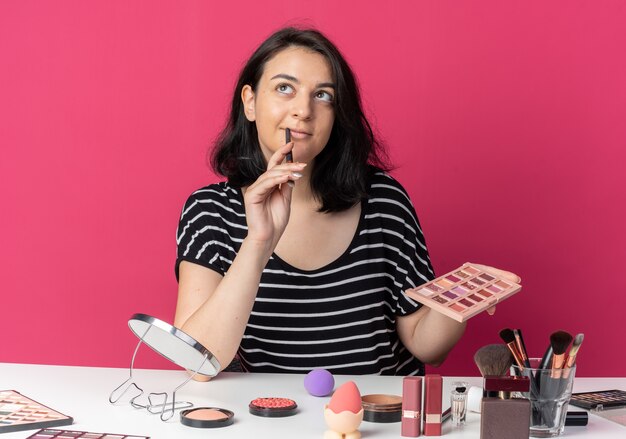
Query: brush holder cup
550 392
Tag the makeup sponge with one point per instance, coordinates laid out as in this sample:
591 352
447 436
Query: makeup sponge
346 398
319 382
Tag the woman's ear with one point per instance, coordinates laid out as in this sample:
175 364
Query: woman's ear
247 97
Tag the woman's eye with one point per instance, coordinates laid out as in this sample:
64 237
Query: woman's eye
324 96
285 88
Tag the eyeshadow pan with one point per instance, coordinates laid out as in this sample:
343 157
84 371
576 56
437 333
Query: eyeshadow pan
502 285
460 291
468 286
487 277
484 293
444 283
434 288
493 288
461 274
457 307
453 278
426 292
450 294
440 299
471 270
466 302
477 281
475 298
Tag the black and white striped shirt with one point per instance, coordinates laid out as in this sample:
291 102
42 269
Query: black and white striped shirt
340 317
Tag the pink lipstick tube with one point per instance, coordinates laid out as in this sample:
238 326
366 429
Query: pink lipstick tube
411 406
433 388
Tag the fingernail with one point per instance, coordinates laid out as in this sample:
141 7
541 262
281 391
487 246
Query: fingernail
291 184
296 174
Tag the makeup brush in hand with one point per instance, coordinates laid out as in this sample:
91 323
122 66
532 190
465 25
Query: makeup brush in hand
493 360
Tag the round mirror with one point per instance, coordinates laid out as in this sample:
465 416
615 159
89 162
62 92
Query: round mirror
174 344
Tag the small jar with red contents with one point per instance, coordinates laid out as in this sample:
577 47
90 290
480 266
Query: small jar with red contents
273 407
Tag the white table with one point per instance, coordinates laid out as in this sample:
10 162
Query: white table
82 392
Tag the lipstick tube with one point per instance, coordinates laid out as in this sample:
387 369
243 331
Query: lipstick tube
411 406
433 389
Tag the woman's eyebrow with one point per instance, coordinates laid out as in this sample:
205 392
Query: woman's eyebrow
294 79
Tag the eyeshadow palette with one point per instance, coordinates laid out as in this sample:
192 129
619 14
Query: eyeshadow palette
17 412
599 400
464 292
72 434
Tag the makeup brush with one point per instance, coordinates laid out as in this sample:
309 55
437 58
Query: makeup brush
559 341
546 360
521 338
551 384
571 356
289 157
508 337
519 342
493 360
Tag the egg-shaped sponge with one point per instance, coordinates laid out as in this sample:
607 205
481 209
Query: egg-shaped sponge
319 382
346 397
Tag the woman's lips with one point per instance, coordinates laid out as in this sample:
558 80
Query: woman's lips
299 134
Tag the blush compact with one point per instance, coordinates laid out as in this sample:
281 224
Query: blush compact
273 407
207 417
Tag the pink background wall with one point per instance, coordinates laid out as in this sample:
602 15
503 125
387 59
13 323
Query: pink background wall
506 120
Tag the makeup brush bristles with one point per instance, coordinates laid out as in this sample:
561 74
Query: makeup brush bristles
571 356
507 335
559 341
578 340
493 359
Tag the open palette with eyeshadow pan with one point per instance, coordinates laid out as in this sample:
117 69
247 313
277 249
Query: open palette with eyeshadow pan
17 412
464 292
72 434
599 400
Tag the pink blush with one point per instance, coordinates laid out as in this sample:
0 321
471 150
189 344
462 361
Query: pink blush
206 415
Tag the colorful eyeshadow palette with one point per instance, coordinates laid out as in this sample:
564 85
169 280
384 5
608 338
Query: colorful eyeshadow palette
599 400
72 434
464 292
17 412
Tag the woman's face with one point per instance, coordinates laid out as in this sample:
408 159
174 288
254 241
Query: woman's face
296 91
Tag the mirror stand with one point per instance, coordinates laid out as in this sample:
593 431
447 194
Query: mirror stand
164 408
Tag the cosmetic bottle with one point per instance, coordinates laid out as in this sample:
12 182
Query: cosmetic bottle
503 416
458 402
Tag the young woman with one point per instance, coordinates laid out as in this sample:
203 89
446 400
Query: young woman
295 266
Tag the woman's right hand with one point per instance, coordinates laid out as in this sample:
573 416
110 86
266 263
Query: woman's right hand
268 199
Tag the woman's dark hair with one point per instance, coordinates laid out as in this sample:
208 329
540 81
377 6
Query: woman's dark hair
342 169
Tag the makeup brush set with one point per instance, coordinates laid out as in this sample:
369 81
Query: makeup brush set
546 382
